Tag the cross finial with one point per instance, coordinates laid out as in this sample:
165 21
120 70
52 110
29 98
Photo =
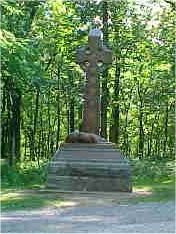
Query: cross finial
95 52
95 38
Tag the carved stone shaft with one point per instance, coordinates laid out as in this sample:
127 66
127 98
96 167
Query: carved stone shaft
90 58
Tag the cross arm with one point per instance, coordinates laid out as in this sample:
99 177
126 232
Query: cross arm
105 55
82 54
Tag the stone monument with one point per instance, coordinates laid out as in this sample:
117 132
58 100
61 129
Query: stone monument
90 57
82 166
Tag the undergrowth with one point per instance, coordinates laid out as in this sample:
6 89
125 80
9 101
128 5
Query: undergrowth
152 170
23 175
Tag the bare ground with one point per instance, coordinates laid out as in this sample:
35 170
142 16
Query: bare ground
94 213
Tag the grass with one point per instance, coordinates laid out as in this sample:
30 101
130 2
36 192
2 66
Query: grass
162 190
16 200
152 180
155 178
15 181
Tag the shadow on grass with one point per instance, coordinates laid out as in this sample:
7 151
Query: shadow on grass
143 191
161 190
18 201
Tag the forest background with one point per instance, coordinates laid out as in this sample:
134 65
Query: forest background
42 86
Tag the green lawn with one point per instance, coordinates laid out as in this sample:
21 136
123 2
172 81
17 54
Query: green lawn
19 200
155 178
161 190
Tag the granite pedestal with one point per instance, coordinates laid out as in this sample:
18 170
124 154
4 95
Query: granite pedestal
89 167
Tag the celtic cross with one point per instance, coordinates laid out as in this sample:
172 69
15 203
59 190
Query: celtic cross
90 58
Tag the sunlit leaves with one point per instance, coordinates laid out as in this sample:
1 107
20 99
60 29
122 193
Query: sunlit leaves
38 44
57 7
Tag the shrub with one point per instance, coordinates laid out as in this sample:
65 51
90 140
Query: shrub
25 174
154 170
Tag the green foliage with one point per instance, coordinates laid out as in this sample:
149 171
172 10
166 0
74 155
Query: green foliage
42 87
151 170
23 175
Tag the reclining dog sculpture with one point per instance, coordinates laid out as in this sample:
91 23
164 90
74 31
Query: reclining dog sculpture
84 137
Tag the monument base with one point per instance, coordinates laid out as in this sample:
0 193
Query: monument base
89 167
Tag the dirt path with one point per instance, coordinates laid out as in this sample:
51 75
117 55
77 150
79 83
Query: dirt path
92 214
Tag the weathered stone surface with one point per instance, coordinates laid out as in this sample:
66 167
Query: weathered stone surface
89 167
84 137
83 163
90 57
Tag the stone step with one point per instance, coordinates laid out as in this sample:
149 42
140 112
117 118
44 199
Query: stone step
67 146
68 183
88 170
91 149
89 164
53 178
89 160
88 155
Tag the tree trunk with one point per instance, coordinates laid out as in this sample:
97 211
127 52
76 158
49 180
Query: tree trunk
58 108
42 135
126 144
15 125
3 126
10 136
104 89
72 115
71 104
49 125
150 138
80 116
25 145
141 130
165 129
34 145
114 130
141 135
68 119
